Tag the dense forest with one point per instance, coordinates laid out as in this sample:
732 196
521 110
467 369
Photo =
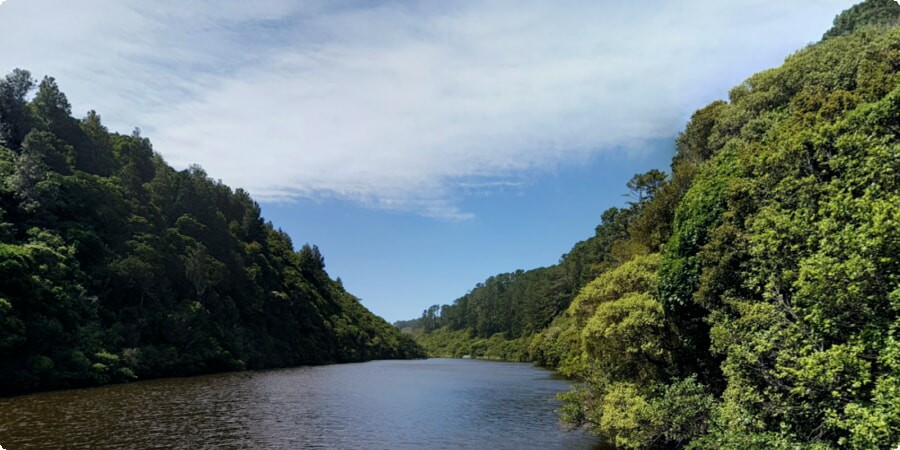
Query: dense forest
115 267
751 297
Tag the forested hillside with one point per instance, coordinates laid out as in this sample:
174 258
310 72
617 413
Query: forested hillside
498 318
751 298
114 266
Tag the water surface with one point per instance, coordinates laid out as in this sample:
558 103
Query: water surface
435 403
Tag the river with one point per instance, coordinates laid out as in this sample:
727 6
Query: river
435 403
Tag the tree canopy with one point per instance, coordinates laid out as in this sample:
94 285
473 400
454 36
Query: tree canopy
114 266
751 298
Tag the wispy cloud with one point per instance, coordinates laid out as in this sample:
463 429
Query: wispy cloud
398 105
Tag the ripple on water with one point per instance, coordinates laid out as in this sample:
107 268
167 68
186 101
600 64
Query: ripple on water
435 403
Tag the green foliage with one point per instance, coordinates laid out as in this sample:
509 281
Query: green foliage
114 266
867 13
629 415
699 211
626 337
770 318
626 347
521 306
15 118
559 346
786 245
447 343
636 275
644 186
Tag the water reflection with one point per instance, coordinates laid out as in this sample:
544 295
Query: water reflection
435 403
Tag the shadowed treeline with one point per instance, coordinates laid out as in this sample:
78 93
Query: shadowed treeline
114 266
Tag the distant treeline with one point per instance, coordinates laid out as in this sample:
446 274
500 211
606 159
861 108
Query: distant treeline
751 298
115 267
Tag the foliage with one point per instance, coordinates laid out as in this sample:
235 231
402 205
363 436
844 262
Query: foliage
447 343
783 258
114 266
522 303
752 298
867 13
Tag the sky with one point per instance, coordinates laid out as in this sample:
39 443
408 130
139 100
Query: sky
422 145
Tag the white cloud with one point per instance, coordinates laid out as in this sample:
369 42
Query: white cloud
401 105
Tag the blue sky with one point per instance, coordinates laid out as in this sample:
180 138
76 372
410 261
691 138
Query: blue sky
422 145
412 261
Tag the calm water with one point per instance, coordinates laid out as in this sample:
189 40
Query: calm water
436 403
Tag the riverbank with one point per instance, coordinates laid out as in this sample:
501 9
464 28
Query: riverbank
446 343
134 380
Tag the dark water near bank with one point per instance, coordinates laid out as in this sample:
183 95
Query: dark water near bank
437 403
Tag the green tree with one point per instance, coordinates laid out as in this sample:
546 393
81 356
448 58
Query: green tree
867 13
114 266
643 186
15 120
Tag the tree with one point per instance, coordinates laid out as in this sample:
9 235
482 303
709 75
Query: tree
202 270
33 180
643 186
51 105
14 114
311 259
114 266
867 13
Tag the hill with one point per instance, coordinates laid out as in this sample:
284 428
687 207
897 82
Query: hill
115 267
749 299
